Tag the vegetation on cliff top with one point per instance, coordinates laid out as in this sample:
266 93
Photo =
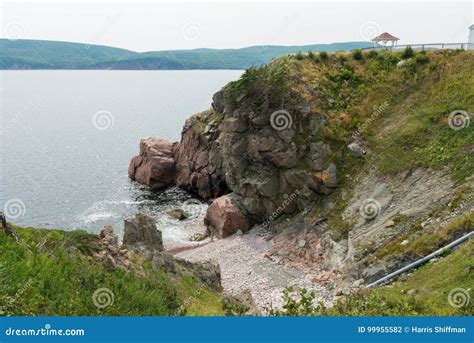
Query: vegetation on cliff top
398 103
52 272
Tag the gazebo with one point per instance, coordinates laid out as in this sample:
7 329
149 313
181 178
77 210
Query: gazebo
385 38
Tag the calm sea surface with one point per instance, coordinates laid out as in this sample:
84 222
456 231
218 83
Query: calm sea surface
67 138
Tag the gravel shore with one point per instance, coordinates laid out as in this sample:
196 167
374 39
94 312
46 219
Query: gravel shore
246 265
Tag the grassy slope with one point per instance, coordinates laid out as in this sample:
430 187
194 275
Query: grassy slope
431 285
52 273
416 93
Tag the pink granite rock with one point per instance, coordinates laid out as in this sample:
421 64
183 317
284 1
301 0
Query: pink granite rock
155 166
224 217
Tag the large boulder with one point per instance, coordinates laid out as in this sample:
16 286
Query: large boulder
224 217
155 166
141 234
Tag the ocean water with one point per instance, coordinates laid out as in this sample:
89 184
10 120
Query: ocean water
67 138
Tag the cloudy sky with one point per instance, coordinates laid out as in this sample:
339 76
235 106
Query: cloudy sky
145 26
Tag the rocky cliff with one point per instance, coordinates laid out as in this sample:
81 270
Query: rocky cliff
356 151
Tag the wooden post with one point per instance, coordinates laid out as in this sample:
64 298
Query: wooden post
4 225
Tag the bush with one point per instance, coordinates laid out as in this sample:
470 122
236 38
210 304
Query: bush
408 53
357 55
298 307
372 54
299 56
323 55
422 59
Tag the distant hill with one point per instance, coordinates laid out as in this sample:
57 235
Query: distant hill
41 54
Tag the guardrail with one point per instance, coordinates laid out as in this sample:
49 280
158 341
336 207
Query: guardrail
422 260
422 47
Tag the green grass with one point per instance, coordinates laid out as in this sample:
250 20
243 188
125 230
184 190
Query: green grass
52 272
421 245
434 281
430 287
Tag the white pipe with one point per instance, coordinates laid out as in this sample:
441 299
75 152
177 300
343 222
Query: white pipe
422 260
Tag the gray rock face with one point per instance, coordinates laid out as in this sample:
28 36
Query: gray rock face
356 150
141 234
236 150
207 272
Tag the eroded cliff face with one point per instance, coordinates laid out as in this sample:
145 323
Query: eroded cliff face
302 135
254 156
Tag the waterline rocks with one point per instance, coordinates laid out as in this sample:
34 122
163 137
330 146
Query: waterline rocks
140 233
224 217
233 148
155 165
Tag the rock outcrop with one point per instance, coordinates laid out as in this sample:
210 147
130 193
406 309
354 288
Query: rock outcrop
231 148
142 239
155 166
141 234
224 217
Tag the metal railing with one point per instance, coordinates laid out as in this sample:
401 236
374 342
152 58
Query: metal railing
421 47
422 260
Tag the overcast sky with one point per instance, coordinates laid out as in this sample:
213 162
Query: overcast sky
145 26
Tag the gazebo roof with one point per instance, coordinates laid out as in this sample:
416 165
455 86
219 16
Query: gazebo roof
385 37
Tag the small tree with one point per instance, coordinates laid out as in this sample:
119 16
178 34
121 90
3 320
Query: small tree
323 55
357 55
408 53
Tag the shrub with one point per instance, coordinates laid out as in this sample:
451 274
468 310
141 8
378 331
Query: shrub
323 55
292 306
422 59
408 53
372 54
299 56
357 55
